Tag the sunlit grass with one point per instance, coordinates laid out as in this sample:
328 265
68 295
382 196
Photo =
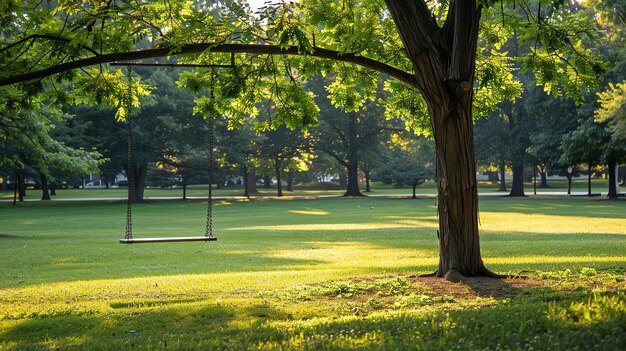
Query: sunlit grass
318 274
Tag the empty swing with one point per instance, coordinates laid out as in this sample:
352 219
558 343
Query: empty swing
128 235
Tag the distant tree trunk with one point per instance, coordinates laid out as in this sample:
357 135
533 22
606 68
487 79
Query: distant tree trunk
21 187
502 177
15 189
569 184
367 172
543 172
139 182
45 191
353 180
352 165
612 180
290 180
517 187
249 183
185 190
53 188
279 185
415 182
589 179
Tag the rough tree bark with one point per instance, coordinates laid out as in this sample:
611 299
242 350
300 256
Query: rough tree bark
444 64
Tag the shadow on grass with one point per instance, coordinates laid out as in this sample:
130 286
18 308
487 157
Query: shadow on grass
565 324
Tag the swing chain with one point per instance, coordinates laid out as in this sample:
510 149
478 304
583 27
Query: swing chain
129 175
209 214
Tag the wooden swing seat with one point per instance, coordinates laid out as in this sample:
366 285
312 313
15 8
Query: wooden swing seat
167 240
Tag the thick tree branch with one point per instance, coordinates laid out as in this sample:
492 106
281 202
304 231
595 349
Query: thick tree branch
212 47
48 37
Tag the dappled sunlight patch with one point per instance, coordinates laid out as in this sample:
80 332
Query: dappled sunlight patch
335 226
552 259
310 212
359 255
506 222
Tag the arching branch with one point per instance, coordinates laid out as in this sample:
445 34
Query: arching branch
389 70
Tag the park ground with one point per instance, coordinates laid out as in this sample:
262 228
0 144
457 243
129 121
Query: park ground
319 273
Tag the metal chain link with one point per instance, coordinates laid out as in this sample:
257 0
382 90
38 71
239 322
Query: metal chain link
129 175
209 212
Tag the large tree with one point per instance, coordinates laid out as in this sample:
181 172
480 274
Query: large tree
430 47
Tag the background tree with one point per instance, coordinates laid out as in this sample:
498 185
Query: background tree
409 161
586 144
492 138
349 136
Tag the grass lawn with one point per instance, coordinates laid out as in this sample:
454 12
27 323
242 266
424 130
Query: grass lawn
330 273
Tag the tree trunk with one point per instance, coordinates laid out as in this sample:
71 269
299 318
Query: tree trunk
502 177
612 180
569 184
21 188
53 189
279 185
290 180
444 61
543 172
15 189
414 187
352 165
367 180
589 180
352 188
45 191
517 187
139 182
459 249
185 190
249 183
267 182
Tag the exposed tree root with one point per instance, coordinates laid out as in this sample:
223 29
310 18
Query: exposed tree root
485 272
453 275
427 275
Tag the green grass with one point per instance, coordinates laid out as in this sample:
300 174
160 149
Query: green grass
332 273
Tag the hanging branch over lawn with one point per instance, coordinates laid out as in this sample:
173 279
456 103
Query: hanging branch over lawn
212 47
